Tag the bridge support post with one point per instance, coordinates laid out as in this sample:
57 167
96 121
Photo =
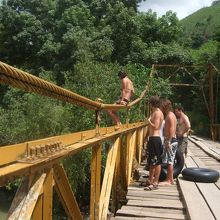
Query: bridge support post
107 180
95 182
123 167
38 211
211 100
131 146
116 186
140 144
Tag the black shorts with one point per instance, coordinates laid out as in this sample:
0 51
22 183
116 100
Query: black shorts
155 150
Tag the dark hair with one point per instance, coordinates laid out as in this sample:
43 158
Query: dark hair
122 74
166 106
179 108
155 101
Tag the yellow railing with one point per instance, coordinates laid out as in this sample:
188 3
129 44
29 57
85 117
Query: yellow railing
37 162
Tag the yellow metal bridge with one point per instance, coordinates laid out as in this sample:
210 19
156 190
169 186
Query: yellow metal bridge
38 162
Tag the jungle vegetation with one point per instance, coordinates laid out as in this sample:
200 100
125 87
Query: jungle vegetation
81 45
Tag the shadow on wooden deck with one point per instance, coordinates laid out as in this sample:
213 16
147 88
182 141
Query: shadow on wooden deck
185 200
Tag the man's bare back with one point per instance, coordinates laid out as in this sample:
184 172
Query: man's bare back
127 89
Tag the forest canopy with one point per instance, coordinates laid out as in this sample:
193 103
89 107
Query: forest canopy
81 45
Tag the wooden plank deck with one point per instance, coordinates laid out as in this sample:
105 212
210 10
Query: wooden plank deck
185 200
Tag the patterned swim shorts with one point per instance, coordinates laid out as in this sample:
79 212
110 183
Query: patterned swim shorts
169 155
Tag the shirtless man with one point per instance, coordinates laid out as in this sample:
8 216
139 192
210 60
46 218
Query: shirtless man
154 145
127 90
183 127
170 141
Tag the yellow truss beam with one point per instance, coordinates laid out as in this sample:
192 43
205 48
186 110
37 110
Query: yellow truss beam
27 165
107 180
26 198
65 193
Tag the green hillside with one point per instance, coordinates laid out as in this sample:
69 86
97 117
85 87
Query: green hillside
204 21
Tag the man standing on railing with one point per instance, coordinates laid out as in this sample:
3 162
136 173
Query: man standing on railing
182 130
154 145
127 90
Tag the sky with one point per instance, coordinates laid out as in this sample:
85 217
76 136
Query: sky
183 8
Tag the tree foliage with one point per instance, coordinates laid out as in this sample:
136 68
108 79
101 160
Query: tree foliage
81 45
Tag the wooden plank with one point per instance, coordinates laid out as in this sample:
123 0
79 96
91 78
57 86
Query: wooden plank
189 162
210 192
154 192
212 196
156 203
215 167
214 163
207 150
160 187
146 212
202 163
206 158
195 203
218 184
154 196
138 218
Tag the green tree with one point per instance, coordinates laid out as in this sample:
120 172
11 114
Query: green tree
21 36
